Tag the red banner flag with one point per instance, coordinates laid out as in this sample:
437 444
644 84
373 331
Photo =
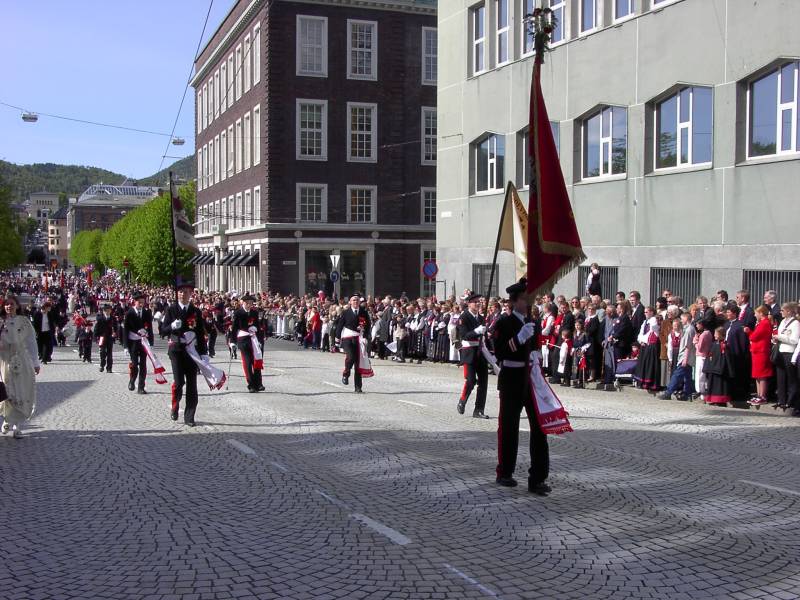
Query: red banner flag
554 246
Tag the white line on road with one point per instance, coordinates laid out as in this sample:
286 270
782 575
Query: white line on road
394 535
336 385
413 403
772 487
242 447
277 369
332 500
279 466
468 579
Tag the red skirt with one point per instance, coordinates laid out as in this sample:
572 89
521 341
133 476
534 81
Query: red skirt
762 366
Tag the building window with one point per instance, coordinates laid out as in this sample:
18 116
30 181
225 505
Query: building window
686 283
256 135
362 50
238 146
362 132
199 169
231 162
684 128
217 168
480 278
223 89
312 202
205 105
523 165
623 9
223 213
428 285
609 280
526 31
430 51
478 39
205 166
238 74
605 142
231 79
246 210
774 112
501 12
361 204
785 283
311 134
199 110
256 219
312 46
210 100
428 135
559 8
247 139
428 206
217 94
223 155
589 16
256 50
489 158
248 68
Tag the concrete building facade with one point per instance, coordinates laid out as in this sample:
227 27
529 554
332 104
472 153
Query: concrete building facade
316 142
40 206
57 236
678 127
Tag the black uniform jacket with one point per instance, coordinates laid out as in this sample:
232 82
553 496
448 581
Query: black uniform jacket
243 320
191 320
351 320
105 328
466 329
133 323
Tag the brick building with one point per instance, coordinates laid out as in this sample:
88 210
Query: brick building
316 142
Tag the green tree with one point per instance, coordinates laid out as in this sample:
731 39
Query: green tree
85 248
63 199
11 251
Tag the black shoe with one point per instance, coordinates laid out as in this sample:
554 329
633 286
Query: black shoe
358 390
173 414
419 362
478 414
141 391
506 481
345 379
540 489
610 387
460 407
102 369
109 371
260 388
665 396
600 386
252 390
131 386
566 384
189 423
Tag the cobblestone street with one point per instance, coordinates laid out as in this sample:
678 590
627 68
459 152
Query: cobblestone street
310 491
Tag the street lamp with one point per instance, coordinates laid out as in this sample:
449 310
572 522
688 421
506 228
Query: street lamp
30 117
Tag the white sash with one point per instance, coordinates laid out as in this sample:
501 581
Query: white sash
215 378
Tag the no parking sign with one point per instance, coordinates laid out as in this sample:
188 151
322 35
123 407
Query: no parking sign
430 269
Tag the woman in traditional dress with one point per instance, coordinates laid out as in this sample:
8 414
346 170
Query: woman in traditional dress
648 365
718 371
19 365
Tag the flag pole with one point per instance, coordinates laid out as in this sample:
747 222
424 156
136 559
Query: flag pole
172 230
497 243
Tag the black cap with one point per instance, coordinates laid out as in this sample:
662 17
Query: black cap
184 283
138 294
247 298
107 306
474 297
514 290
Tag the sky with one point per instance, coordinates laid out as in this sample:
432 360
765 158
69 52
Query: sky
123 62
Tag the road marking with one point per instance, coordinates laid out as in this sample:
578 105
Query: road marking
394 535
277 369
772 487
336 385
279 466
332 500
468 579
413 403
242 447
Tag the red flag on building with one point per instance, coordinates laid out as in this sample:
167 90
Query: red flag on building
554 246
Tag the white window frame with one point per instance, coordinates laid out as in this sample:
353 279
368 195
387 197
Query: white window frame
425 282
323 201
205 165
247 140
502 32
424 136
373 204
217 162
422 192
211 165
687 125
491 164
298 48
661 3
199 110
216 94
373 157
223 92
478 42
205 105
223 211
246 212
238 73
231 158
210 100
373 74
238 211
631 11
238 146
247 57
199 169
256 134
229 212
523 37
596 16
231 81
426 80
324 149
256 218
223 155
563 21
794 142
256 51
603 140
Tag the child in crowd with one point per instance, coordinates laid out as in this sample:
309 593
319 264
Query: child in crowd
717 372
580 344
325 332
85 342
564 372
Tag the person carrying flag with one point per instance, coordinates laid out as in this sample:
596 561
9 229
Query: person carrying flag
245 330
138 324
353 323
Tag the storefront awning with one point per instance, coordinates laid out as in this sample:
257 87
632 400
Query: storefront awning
232 258
195 259
225 260
207 259
251 260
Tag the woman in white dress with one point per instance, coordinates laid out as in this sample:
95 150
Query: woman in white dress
19 365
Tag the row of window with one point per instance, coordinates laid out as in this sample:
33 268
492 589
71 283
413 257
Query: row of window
492 22
362 49
234 77
236 211
233 150
682 132
312 204
362 132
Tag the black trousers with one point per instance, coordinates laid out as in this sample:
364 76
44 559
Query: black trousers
138 363
787 380
251 374
212 341
515 394
107 355
184 375
87 351
350 349
610 358
476 372
44 341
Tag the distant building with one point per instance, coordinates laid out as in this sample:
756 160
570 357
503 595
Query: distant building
40 206
100 206
57 236
316 143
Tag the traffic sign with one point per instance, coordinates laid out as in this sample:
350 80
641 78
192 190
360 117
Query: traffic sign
334 276
430 269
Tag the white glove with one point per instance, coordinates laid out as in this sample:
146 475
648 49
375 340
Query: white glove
526 333
142 333
480 329
251 329
176 324
441 325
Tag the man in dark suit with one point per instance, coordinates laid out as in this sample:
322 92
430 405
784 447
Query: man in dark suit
353 323
471 329
637 310
738 349
104 333
594 334
618 343
514 335
771 300
44 324
181 318
746 313
138 324
245 322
